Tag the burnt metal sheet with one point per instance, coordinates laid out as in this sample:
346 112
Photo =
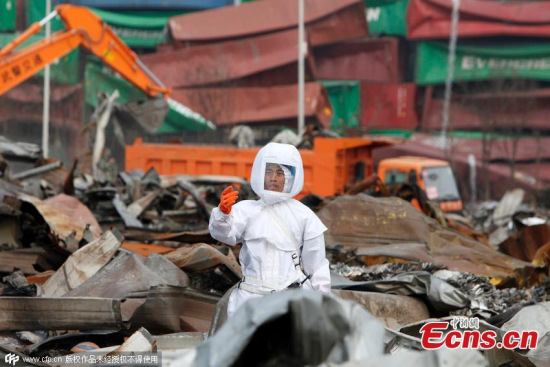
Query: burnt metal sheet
128 273
165 306
271 105
200 257
76 211
374 60
392 309
255 61
31 313
83 264
60 223
327 21
370 224
19 150
525 244
23 259
431 19
186 237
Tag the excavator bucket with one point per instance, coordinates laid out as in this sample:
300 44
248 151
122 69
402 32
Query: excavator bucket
147 113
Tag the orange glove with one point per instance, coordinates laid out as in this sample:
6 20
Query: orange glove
228 199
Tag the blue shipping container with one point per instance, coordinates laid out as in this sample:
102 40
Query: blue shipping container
150 4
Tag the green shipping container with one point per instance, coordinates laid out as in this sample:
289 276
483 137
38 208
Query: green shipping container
482 61
36 11
7 15
387 17
345 98
136 29
179 118
65 71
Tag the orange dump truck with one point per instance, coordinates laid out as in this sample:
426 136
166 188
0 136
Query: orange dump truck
434 176
328 167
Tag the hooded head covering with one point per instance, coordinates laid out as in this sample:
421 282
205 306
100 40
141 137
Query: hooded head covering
288 157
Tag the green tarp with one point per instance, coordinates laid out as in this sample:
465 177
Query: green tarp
387 17
482 61
64 71
136 29
179 118
345 98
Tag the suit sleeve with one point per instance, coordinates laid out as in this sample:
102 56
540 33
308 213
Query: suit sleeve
227 228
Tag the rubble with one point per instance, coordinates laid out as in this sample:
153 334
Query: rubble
129 256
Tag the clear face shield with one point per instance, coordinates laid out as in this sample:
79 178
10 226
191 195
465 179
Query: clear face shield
278 177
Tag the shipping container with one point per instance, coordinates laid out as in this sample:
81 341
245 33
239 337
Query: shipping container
493 111
36 11
388 106
387 17
258 106
345 98
150 4
66 70
326 21
7 15
266 60
431 19
482 60
375 60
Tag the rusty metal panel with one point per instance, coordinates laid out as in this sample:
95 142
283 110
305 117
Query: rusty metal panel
275 105
327 21
431 19
375 61
476 111
31 313
388 106
255 61
392 228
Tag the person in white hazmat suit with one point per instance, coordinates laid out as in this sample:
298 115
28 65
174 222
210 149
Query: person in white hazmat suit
283 244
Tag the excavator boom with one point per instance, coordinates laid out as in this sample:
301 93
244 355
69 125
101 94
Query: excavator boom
86 29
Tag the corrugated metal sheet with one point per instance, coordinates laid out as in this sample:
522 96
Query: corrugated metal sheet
255 61
376 61
431 19
495 111
327 21
266 106
389 106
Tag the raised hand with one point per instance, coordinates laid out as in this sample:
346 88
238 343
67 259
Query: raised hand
228 199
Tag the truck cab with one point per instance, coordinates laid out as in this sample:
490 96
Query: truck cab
434 176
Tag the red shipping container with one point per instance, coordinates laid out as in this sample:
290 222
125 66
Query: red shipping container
374 61
388 106
489 111
431 19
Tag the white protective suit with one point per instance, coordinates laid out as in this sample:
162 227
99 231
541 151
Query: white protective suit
270 257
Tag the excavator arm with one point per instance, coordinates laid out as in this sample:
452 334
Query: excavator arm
84 29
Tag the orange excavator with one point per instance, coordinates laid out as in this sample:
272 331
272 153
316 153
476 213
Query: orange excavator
83 28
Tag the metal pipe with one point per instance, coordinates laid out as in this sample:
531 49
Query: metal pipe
37 171
301 68
46 102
